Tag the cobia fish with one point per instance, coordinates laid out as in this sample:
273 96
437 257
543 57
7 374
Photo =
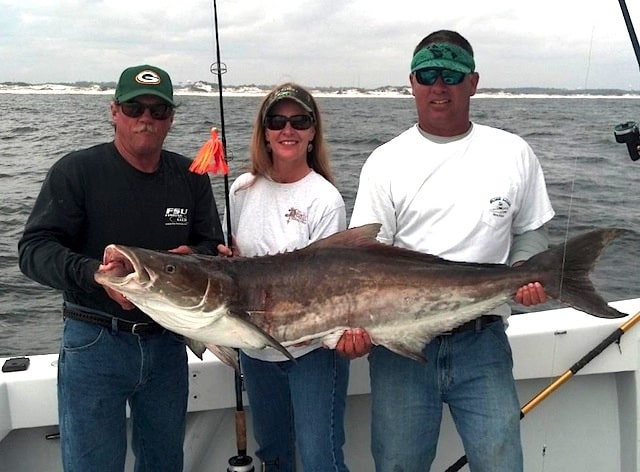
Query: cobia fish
402 298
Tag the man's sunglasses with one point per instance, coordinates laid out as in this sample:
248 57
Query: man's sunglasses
278 122
429 76
158 111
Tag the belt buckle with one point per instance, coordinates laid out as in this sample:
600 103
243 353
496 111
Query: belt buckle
138 326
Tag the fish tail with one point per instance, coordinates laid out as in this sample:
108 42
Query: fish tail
567 268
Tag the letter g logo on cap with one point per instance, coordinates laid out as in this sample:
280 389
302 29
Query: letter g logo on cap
148 77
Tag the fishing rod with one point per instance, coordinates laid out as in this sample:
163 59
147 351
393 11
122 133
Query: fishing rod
628 133
568 374
220 68
241 462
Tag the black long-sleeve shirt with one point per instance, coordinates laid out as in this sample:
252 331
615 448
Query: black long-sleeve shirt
92 198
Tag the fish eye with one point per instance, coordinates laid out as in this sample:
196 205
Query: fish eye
170 269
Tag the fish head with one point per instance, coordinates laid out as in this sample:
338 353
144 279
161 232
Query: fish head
166 285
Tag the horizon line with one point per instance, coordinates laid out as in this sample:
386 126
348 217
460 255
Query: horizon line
195 84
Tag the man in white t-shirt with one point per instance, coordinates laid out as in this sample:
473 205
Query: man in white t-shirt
465 192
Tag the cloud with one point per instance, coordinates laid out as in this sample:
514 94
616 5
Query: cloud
547 43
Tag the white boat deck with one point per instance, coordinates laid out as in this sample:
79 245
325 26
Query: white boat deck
589 424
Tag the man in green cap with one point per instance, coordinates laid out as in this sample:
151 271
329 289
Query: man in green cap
465 192
133 192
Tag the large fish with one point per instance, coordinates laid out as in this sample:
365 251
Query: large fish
402 298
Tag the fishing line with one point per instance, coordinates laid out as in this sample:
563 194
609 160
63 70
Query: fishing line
575 170
568 225
543 394
586 78
550 412
564 256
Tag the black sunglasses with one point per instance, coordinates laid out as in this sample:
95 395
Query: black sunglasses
429 76
278 122
158 111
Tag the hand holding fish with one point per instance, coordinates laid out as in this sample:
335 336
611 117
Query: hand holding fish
354 343
225 251
222 250
531 294
182 250
116 268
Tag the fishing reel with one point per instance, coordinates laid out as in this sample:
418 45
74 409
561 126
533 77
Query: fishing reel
241 463
628 133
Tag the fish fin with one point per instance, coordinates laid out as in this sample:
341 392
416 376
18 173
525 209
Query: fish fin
227 355
364 237
574 261
196 347
353 237
243 317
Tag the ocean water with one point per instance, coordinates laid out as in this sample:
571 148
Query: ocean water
591 180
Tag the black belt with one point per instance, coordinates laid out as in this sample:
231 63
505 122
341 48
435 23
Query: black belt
474 325
132 327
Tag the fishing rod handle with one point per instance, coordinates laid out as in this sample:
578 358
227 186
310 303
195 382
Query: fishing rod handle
241 432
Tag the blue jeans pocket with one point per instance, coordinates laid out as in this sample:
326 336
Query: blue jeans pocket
78 335
497 331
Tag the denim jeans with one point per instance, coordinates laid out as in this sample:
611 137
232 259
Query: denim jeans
299 403
471 372
99 371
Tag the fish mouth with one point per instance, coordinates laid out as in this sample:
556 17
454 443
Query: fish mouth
123 268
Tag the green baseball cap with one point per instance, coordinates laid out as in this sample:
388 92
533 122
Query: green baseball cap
144 80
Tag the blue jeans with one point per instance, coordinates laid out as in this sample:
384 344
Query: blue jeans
299 403
471 372
99 371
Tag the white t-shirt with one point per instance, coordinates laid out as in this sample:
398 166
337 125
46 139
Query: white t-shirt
268 217
461 199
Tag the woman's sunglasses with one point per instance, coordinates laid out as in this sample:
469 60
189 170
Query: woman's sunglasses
158 111
278 122
429 76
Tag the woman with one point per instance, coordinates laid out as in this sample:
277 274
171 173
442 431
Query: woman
286 202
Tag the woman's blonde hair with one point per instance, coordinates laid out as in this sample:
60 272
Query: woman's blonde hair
261 158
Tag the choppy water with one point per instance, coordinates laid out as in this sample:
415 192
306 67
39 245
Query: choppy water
591 179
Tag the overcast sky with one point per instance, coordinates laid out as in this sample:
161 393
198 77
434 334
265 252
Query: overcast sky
571 44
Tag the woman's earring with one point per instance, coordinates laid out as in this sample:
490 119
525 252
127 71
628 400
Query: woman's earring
309 147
